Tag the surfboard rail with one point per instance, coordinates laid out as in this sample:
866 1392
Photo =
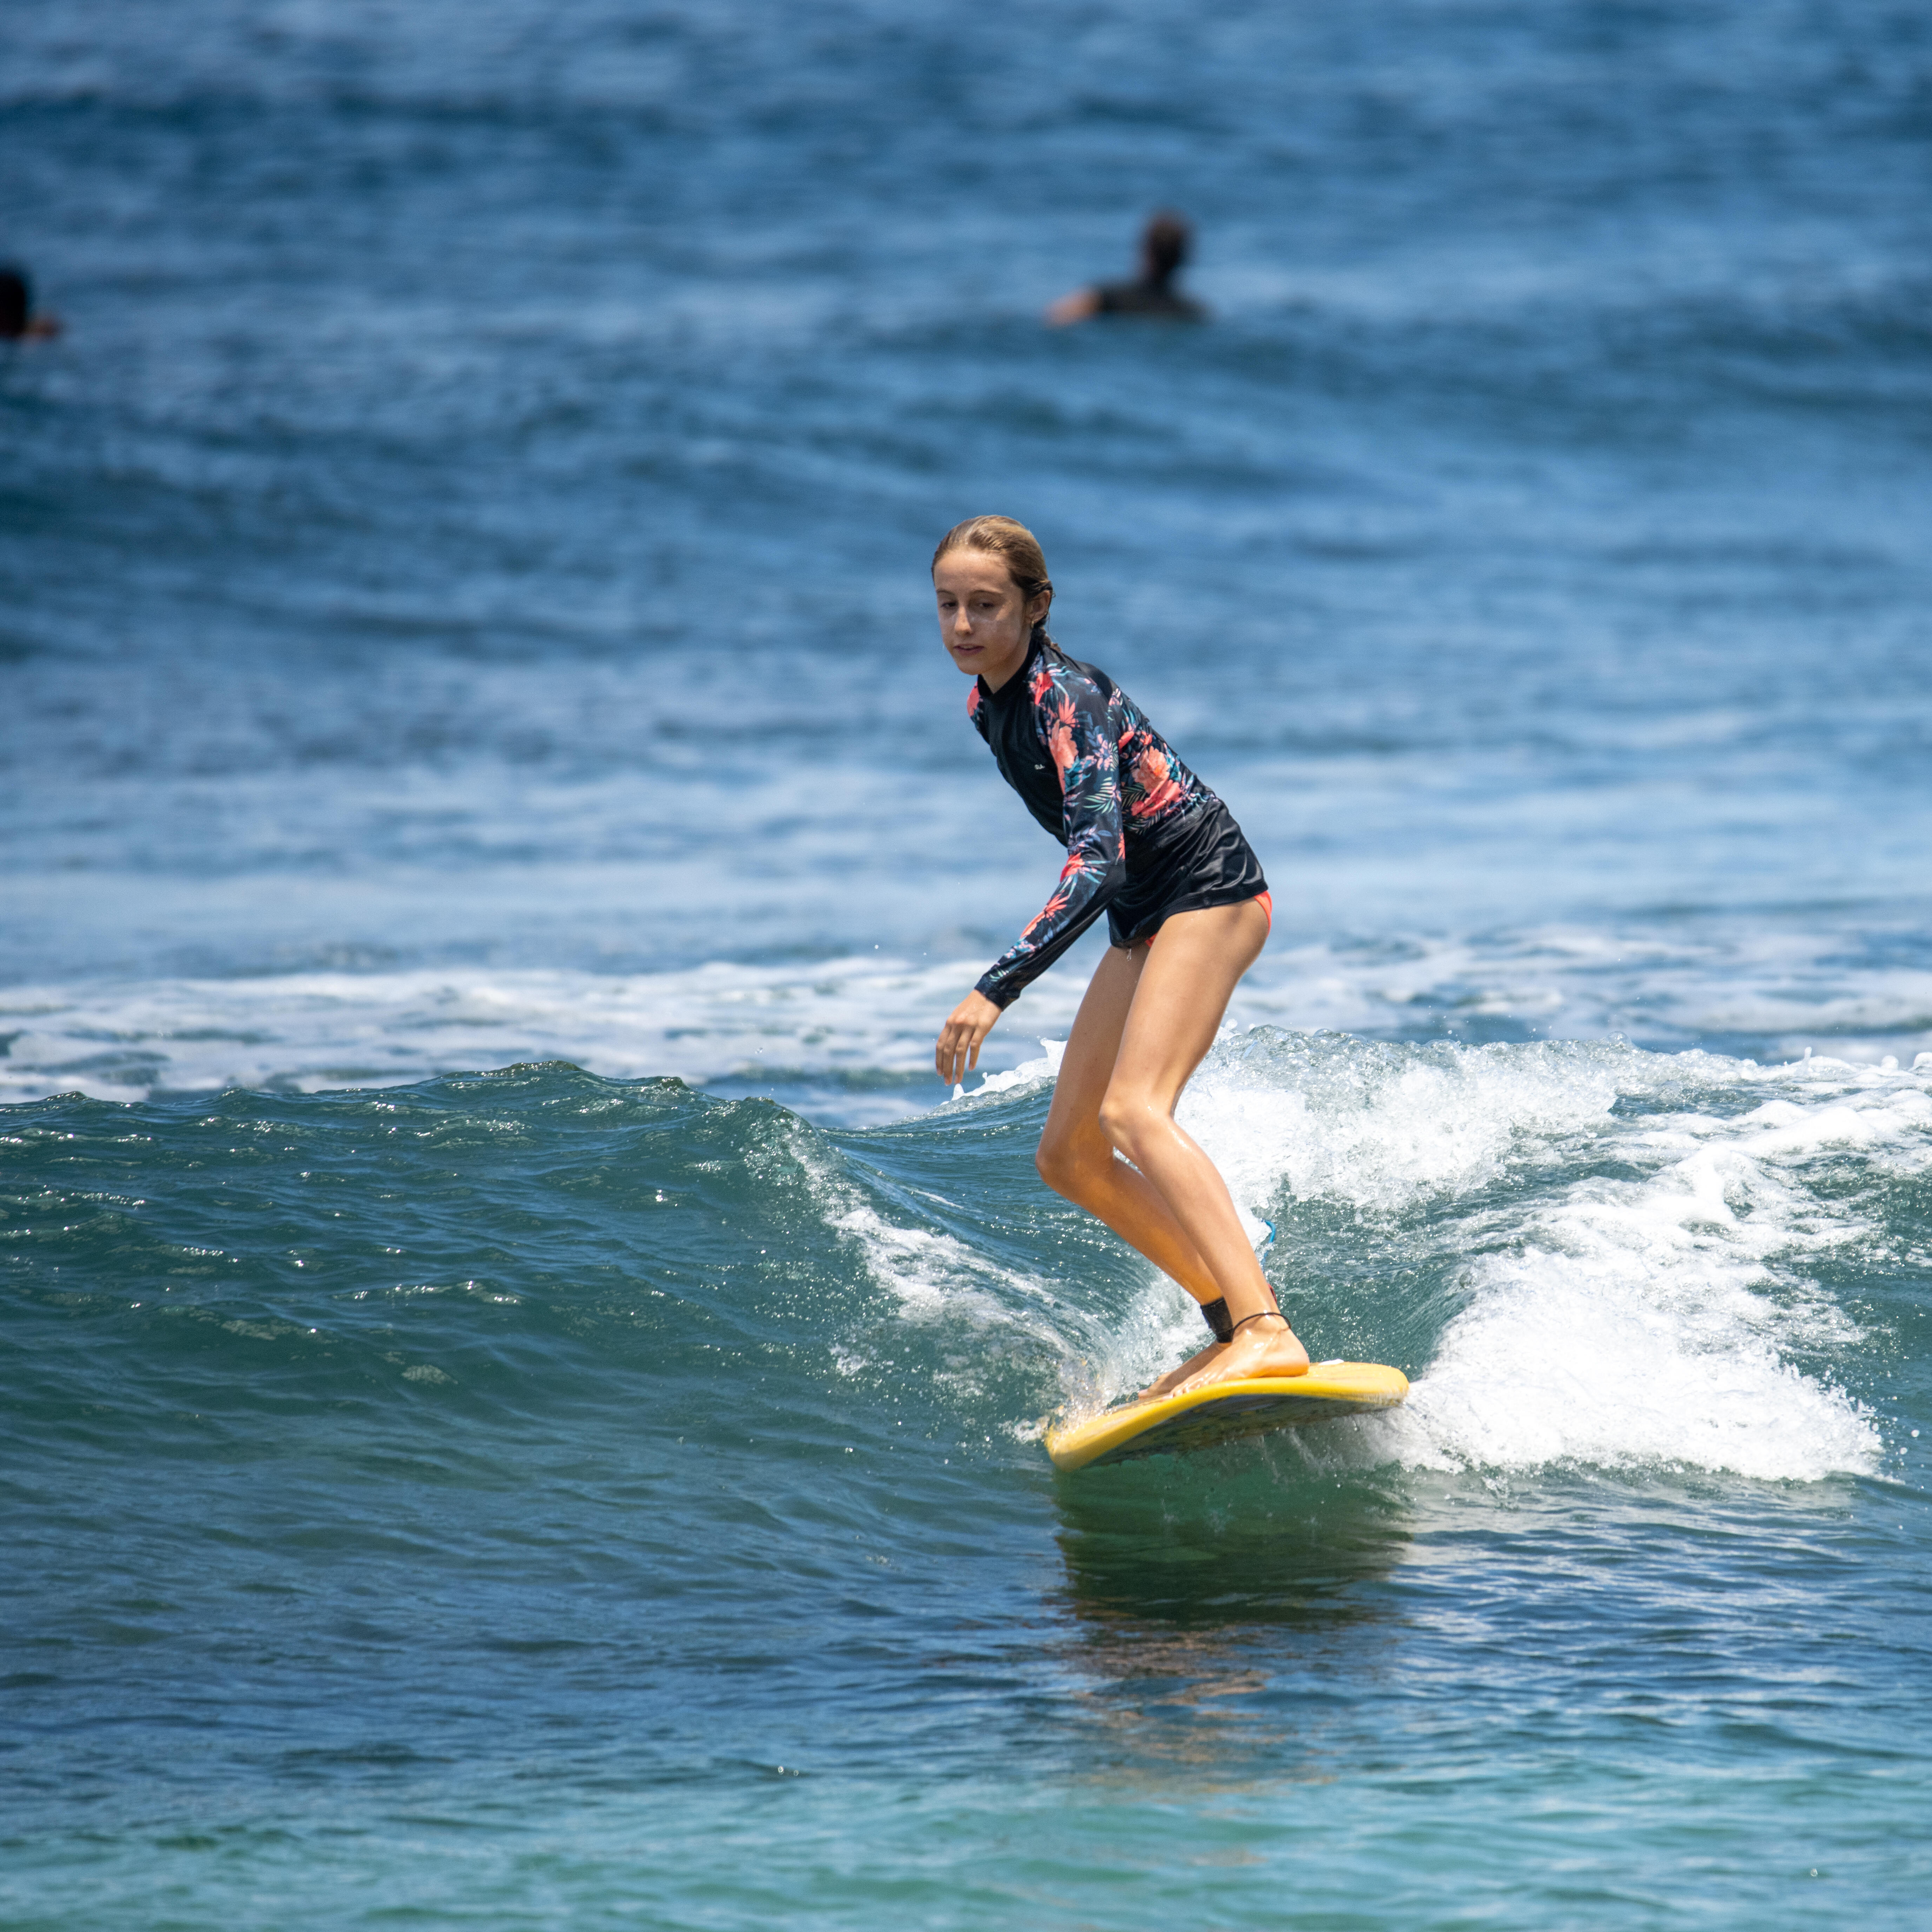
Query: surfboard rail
1159 1425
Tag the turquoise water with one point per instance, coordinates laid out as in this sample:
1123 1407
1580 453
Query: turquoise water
523 1397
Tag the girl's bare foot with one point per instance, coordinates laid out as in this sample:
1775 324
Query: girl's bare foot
1172 1380
1264 1347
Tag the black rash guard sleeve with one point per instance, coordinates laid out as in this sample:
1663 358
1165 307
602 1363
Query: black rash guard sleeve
1074 722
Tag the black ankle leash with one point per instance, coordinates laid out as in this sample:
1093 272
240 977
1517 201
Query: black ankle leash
1262 1316
1215 1314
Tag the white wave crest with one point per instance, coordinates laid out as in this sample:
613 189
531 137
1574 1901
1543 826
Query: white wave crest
1648 1313
874 1012
306 1031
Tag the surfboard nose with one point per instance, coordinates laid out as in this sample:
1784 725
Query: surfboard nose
1224 1412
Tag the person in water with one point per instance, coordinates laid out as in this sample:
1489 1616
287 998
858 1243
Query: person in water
1188 913
18 322
1164 247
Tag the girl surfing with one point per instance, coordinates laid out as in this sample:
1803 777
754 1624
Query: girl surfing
1188 913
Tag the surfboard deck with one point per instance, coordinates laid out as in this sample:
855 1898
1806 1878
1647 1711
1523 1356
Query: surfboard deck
1165 1424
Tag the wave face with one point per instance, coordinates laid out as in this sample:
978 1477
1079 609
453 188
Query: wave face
521 1396
533 1474
1581 1252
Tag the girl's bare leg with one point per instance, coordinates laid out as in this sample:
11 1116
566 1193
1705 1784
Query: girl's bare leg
1149 1016
1076 1160
1184 989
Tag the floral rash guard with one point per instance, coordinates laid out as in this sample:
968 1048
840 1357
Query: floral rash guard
1096 774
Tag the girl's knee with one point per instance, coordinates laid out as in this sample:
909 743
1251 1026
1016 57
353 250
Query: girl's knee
1060 1164
1067 1163
1124 1119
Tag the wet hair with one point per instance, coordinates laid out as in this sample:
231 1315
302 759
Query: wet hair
1016 547
1166 242
17 302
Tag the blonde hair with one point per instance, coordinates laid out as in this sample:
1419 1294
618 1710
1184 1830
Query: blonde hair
1016 547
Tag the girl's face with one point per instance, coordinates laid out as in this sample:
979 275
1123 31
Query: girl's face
985 622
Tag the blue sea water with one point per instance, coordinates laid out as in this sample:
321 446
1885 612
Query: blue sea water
522 1395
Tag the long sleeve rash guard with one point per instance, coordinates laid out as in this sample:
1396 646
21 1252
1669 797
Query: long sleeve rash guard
1096 774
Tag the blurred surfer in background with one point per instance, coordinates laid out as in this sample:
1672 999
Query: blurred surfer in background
18 322
1165 243
1188 913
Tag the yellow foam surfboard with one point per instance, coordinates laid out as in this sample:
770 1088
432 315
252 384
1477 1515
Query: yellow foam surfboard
1160 1423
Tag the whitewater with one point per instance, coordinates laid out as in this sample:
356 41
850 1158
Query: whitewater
524 1395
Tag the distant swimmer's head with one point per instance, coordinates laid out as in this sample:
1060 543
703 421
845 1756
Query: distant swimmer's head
17 303
990 578
1164 246
18 322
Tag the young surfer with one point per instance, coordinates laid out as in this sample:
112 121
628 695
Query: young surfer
1188 914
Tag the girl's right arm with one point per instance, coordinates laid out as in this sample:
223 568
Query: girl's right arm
960 1038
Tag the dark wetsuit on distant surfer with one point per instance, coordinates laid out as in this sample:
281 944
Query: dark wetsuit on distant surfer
1145 837
1151 296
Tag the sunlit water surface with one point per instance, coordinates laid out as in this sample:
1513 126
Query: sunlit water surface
523 1398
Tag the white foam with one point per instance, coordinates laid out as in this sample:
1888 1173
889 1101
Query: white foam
939 1281
312 1030
1029 1073
875 1012
1785 990
1382 1127
1646 1315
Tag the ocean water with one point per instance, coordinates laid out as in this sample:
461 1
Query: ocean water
523 1395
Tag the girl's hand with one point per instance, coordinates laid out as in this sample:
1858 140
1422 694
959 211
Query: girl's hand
958 1052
